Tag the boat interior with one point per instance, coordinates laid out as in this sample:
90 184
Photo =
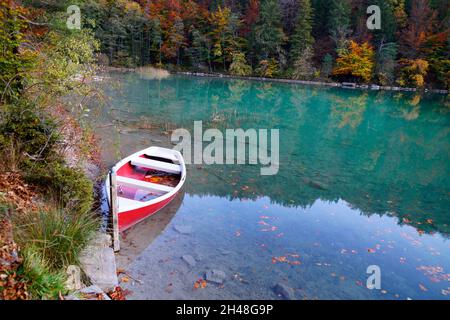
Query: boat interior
145 177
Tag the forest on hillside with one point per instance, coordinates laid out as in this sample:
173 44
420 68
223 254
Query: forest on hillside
298 39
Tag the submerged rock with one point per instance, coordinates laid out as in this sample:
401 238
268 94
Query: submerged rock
225 252
189 260
101 240
315 184
183 229
215 276
284 291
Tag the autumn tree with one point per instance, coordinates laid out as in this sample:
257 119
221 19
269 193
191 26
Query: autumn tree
420 25
224 33
357 61
413 72
239 66
268 68
437 52
13 61
250 17
175 39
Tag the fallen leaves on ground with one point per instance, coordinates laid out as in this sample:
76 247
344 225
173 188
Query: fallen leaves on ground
16 192
13 286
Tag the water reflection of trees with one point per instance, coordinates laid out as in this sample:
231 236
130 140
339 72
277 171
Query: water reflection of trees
382 152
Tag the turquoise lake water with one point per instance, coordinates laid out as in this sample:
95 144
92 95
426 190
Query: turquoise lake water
363 180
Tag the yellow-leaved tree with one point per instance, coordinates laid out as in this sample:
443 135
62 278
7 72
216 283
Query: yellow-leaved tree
356 61
413 72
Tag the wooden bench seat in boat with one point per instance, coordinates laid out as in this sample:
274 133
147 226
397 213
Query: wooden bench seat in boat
148 186
157 165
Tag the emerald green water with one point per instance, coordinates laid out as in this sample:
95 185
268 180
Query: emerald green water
363 180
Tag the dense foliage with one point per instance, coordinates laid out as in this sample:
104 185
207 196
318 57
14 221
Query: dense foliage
302 39
42 63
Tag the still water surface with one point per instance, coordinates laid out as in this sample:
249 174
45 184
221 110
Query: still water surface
363 180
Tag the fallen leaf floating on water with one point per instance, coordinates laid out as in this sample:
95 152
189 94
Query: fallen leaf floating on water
200 283
125 279
434 273
279 259
284 259
422 287
271 229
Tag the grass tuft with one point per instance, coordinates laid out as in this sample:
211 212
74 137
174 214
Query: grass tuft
42 282
57 235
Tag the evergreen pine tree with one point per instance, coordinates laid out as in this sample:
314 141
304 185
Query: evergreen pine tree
269 35
339 22
302 38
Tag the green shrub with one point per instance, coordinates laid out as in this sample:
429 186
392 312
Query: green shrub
67 187
26 135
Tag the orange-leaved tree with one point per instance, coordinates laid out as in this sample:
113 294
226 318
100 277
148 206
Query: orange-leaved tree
356 61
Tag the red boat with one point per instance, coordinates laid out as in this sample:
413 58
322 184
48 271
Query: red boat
146 182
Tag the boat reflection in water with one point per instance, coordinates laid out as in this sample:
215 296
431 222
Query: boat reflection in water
137 238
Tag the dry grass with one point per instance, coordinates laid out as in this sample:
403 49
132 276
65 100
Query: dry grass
151 73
